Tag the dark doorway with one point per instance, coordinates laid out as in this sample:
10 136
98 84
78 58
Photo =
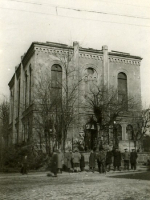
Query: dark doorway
90 135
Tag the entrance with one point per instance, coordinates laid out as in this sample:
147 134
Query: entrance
90 139
90 135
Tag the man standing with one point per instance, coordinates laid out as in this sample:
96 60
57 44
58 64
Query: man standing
24 165
108 159
92 159
133 158
117 159
67 160
60 161
101 161
126 158
54 163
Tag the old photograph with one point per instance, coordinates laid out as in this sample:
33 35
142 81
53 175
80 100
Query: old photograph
74 100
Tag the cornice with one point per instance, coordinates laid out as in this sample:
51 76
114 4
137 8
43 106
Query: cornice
90 56
126 60
62 51
11 83
123 55
52 50
28 55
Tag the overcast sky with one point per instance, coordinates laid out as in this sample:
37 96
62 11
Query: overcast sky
122 25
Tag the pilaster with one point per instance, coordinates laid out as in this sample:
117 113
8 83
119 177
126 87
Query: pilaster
105 66
76 79
124 132
14 135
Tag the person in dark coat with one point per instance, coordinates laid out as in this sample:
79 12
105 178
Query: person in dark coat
126 157
101 161
133 157
82 162
54 163
117 159
24 165
109 155
92 159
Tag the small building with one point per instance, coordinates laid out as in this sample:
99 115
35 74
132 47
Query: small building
90 66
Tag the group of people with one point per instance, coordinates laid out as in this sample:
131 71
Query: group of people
75 161
71 161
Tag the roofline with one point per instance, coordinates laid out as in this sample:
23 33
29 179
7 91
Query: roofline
126 55
65 46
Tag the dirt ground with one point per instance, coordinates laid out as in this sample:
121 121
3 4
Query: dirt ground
76 186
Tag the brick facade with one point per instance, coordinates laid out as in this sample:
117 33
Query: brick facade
41 56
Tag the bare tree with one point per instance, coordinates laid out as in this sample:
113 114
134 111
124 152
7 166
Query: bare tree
4 117
4 132
55 101
108 109
141 124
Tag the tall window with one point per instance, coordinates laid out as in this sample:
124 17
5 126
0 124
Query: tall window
30 84
122 87
12 105
18 97
56 84
26 88
130 133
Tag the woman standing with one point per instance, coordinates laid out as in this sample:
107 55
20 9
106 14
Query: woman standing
92 159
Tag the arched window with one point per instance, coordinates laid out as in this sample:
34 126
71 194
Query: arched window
90 79
129 131
122 87
56 83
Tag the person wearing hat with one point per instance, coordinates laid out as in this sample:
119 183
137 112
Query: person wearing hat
117 159
133 157
126 158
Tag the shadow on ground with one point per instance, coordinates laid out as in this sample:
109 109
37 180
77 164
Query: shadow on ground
140 176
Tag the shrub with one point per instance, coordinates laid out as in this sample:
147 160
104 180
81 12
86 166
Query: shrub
14 155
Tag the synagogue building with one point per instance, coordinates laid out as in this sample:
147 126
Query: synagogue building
65 66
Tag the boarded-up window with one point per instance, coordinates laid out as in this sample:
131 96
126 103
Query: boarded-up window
90 79
130 132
